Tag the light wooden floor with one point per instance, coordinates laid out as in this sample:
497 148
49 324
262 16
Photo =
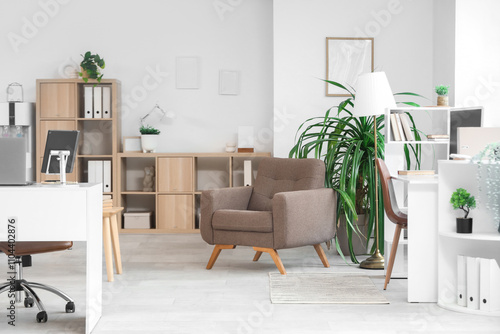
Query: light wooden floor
165 288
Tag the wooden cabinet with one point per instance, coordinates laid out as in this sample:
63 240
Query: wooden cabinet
57 100
175 212
180 179
60 106
176 174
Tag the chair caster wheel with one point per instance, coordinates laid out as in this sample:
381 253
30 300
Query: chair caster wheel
70 307
41 317
28 302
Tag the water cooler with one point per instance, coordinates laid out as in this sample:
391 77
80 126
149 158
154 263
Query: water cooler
17 143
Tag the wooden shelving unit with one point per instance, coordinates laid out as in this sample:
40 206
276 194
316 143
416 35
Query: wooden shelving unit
179 180
59 106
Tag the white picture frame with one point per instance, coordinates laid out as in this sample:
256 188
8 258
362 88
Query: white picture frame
346 59
229 82
187 73
132 144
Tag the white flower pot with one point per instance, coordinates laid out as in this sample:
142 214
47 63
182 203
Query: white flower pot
149 143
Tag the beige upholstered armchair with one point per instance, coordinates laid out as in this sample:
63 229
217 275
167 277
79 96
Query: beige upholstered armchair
287 207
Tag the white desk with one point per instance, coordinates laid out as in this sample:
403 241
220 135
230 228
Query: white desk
55 213
422 236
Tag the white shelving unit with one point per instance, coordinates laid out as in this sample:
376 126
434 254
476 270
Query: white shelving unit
484 242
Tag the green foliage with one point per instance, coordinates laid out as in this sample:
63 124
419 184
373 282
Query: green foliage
149 130
347 146
92 64
461 199
442 90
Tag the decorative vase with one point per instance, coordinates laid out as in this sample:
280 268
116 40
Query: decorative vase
442 100
464 225
149 143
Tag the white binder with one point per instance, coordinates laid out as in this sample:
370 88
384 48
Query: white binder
106 176
247 173
106 102
473 282
98 171
461 280
98 102
91 171
489 286
87 102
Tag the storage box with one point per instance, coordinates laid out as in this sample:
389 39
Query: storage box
137 219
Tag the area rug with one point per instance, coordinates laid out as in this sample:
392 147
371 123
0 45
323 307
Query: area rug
323 288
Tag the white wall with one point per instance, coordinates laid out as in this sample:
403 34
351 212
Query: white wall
478 57
403 49
139 37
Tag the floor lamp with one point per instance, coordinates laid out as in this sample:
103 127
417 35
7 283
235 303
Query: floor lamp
373 97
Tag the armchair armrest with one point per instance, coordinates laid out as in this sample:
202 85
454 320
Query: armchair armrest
305 217
226 198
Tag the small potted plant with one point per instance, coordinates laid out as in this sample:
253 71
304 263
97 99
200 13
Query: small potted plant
461 199
91 67
149 138
442 92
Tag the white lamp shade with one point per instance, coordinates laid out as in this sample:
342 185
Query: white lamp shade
373 95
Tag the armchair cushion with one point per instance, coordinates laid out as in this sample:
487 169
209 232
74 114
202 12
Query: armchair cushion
277 175
243 220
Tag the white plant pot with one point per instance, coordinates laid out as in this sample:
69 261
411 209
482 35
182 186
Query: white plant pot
149 143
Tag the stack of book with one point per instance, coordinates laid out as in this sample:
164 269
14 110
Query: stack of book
401 129
438 137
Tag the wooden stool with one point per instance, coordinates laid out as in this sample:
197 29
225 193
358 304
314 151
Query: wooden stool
110 236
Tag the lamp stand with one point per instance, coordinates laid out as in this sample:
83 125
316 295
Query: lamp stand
376 261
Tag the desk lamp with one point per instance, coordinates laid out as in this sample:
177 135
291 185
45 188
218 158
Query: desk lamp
373 97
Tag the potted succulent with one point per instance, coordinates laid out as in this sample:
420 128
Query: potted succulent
149 138
442 92
461 199
91 66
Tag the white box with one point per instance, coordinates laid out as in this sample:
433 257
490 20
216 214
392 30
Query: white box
137 219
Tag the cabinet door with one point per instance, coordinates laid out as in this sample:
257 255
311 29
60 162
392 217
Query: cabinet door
175 174
45 126
57 100
175 212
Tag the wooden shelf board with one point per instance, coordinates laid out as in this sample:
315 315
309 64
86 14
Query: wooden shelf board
138 192
157 231
94 156
94 119
195 155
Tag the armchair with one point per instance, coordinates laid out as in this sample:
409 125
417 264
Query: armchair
287 207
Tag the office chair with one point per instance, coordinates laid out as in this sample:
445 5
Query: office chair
393 212
22 252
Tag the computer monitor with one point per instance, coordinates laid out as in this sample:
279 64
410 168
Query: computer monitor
60 145
461 118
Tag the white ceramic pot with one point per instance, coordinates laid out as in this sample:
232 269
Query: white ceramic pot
149 143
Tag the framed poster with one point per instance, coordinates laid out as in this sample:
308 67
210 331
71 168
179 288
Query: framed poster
346 59
229 82
187 74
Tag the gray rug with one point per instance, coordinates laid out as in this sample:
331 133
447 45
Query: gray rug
323 288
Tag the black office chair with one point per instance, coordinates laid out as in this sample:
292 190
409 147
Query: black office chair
22 252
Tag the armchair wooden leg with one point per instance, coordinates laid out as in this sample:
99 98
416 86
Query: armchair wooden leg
394 249
216 252
322 255
274 256
257 256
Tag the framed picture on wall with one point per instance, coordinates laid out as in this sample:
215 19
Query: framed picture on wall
346 59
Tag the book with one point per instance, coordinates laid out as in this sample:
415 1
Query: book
438 137
405 121
400 127
416 172
394 126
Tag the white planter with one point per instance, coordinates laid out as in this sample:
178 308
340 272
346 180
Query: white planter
149 143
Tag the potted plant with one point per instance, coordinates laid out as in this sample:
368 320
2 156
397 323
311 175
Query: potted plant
149 138
91 66
461 199
346 145
442 92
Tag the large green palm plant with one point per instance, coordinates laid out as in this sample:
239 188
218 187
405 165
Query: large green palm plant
347 146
